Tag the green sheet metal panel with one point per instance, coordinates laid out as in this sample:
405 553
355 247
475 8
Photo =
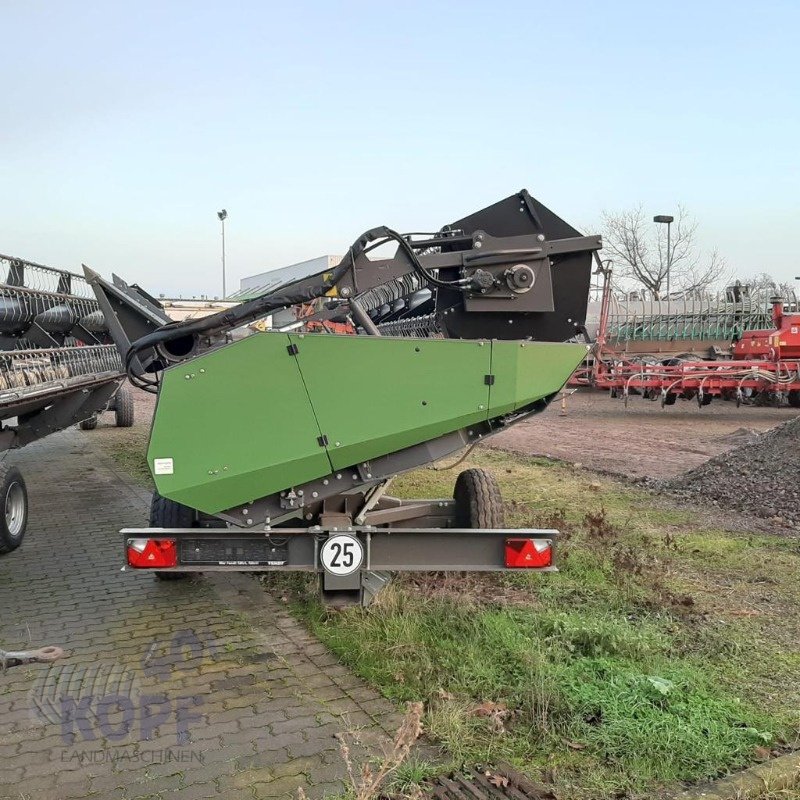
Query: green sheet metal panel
238 428
376 395
527 371
245 422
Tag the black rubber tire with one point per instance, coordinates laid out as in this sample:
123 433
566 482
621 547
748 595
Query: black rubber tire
123 407
88 424
670 399
12 524
794 398
478 500
165 513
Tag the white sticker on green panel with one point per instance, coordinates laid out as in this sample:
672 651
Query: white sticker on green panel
163 466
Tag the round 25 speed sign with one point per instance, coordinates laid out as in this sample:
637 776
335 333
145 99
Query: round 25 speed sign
342 554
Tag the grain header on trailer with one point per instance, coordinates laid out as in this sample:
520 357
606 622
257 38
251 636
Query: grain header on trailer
275 450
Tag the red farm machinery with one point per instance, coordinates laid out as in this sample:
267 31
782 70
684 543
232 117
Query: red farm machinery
738 346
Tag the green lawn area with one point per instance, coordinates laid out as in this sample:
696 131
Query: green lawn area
663 651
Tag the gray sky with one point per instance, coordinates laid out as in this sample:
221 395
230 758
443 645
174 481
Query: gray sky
127 126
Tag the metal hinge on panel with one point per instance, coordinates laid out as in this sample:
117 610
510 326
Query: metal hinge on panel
488 380
322 441
293 349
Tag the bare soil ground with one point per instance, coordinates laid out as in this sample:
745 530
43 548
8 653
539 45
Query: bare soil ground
144 405
642 440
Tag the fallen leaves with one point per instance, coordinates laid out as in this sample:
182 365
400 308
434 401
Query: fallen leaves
495 713
500 781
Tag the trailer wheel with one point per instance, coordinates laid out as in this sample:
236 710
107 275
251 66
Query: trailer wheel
14 519
478 500
794 398
166 513
123 407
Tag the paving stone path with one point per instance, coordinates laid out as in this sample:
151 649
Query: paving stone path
184 689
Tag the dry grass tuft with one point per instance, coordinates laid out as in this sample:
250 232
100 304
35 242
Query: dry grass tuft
367 781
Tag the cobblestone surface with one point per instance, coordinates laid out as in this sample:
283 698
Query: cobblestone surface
188 689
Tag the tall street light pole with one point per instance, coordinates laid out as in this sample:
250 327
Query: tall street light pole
223 215
665 219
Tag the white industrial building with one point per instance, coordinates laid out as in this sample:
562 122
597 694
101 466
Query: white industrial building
255 285
265 281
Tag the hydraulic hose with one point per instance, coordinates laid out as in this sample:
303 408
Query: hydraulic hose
273 301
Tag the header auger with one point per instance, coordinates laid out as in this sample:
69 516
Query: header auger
288 440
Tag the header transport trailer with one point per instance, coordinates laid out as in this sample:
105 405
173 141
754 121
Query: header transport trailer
275 450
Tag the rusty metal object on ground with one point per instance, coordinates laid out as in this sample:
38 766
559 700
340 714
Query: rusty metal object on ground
16 658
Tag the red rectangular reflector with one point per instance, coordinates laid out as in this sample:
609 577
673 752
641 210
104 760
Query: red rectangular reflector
528 553
152 553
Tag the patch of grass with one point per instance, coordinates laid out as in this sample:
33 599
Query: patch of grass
412 773
612 689
656 655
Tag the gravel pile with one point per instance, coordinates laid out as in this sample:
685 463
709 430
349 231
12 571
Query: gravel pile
760 477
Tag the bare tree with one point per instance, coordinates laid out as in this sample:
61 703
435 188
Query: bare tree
764 284
639 252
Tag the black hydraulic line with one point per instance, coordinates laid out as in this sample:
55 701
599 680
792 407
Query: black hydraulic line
435 240
408 250
234 317
278 299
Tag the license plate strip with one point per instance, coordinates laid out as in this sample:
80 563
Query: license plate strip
232 552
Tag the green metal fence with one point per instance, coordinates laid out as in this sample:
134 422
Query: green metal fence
711 318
